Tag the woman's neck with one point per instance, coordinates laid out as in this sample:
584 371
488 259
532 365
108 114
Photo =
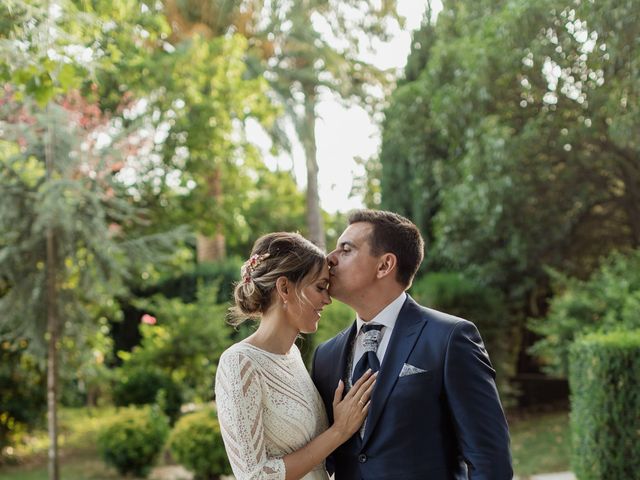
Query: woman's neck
274 334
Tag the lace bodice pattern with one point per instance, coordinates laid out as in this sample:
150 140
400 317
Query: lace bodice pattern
267 407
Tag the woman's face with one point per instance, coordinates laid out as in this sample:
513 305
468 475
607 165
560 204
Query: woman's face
308 301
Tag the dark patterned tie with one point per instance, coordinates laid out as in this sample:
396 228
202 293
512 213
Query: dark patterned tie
370 337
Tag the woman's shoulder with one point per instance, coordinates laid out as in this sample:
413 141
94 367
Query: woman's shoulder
244 351
237 356
238 350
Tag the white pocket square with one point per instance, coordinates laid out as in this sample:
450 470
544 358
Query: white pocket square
410 370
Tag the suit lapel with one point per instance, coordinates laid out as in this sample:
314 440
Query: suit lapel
403 338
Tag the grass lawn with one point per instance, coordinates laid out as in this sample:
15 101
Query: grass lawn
79 458
540 443
79 466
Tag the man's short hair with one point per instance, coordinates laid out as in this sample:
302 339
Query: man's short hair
393 233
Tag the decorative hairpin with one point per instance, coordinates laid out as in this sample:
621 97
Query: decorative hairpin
250 266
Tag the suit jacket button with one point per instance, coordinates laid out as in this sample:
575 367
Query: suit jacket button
362 458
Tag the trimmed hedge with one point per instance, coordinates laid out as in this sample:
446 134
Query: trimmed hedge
196 443
133 441
604 375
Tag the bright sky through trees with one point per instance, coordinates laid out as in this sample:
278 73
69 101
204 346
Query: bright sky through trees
345 134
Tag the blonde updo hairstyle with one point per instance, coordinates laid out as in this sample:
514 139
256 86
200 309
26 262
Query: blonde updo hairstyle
275 255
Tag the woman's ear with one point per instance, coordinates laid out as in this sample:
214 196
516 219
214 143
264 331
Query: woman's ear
283 287
387 265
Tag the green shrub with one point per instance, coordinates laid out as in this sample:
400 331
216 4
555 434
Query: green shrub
133 441
196 443
452 293
22 393
608 301
186 343
605 403
141 386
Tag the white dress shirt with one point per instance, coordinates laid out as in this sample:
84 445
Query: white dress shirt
387 317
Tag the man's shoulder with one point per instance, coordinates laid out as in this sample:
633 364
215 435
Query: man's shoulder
437 320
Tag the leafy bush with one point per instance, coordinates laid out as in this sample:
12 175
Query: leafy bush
138 386
134 440
454 294
605 401
185 343
22 392
196 443
609 300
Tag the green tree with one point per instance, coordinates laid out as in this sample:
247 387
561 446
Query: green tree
513 134
198 167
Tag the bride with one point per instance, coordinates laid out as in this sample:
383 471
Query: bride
272 419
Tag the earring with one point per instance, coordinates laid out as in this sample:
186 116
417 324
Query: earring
284 305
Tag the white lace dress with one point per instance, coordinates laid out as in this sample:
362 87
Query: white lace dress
268 407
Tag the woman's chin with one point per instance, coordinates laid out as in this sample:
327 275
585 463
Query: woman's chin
310 328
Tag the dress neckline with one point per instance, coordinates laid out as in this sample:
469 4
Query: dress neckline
289 354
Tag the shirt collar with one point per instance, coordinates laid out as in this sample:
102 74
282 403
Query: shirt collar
387 316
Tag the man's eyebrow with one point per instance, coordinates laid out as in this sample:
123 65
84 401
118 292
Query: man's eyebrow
346 243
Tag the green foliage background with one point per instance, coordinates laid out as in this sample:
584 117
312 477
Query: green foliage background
511 140
609 300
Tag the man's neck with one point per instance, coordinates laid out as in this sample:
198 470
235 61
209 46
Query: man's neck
370 305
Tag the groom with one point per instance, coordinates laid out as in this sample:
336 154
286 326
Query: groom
435 412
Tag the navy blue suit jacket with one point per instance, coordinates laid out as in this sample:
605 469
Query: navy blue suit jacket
446 423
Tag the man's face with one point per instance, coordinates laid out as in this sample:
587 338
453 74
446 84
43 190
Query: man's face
353 268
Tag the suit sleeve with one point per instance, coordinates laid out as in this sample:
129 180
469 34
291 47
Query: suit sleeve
481 427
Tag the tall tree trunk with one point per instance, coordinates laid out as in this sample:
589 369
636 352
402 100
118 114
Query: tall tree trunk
52 327
308 137
210 249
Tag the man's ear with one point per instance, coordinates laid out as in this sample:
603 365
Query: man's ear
283 287
387 265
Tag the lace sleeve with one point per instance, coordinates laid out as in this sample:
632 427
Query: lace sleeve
239 403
